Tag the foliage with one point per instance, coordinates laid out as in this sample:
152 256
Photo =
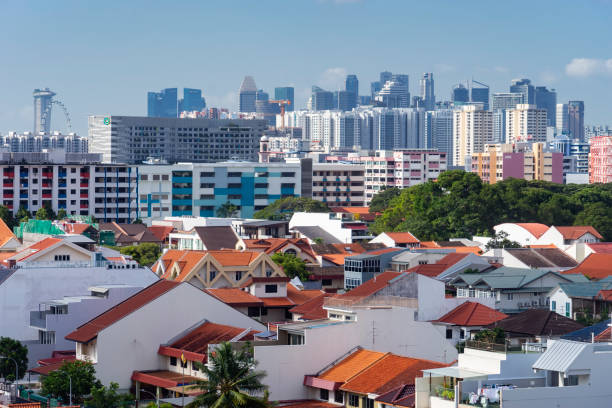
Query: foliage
231 380
13 349
145 254
137 221
61 214
459 204
7 216
22 214
82 373
497 336
284 208
42 214
292 265
500 240
227 210
471 270
102 397
153 404
382 200
319 241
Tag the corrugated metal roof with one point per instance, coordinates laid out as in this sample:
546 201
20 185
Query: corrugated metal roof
560 355
584 289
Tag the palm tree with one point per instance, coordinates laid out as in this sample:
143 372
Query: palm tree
231 380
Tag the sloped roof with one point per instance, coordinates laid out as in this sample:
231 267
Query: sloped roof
542 257
595 266
402 396
130 233
538 322
186 260
312 309
217 237
161 231
576 231
601 247
273 245
431 270
299 297
5 233
585 334
584 289
370 287
471 314
351 210
505 277
77 227
560 355
314 232
534 228
403 237
351 365
235 297
90 330
35 248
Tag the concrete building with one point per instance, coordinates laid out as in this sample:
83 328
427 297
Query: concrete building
427 90
199 189
472 128
163 104
338 184
77 183
547 99
134 139
439 132
395 92
502 161
286 93
36 143
525 123
247 95
600 159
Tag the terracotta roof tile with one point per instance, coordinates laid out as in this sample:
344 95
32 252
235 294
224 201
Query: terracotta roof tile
472 314
312 309
161 231
595 266
601 247
403 237
277 302
5 233
402 396
534 228
370 287
538 322
351 365
351 210
431 270
605 294
186 260
273 245
306 404
90 330
37 247
234 257
235 297
575 232
301 296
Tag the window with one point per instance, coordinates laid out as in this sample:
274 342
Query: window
238 275
173 361
212 275
165 177
271 288
194 366
143 177
46 337
462 334
207 174
62 258
553 305
324 395
567 309
287 174
449 333
253 311
353 400
234 174
326 282
339 397
509 296
368 403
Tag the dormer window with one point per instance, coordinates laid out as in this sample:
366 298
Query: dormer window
271 288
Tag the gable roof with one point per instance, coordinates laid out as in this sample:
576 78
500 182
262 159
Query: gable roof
471 314
431 270
77 227
314 232
542 257
370 287
312 309
402 396
601 247
586 333
185 260
161 231
351 365
273 245
37 248
5 234
534 228
402 237
576 231
235 297
130 233
584 289
538 322
217 237
89 331
595 266
505 278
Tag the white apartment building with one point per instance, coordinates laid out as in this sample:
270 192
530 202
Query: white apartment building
472 128
31 142
338 185
75 182
526 123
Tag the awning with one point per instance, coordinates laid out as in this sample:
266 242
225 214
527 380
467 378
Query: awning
456 372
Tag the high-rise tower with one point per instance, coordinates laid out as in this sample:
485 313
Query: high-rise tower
427 91
42 110
248 95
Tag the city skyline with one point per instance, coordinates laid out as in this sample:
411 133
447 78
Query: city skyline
111 73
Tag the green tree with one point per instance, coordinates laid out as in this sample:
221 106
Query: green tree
61 214
227 210
382 200
103 397
292 265
22 214
12 349
500 240
83 375
42 214
137 221
7 216
231 380
145 254
284 208
497 336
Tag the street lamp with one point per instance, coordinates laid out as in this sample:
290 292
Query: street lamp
16 371
154 395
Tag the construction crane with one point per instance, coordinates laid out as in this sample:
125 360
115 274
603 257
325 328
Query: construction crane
282 103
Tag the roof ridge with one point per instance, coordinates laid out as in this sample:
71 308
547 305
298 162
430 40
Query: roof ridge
369 365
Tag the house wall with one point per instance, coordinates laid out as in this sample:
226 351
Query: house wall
332 226
552 236
516 233
384 239
559 302
132 343
75 255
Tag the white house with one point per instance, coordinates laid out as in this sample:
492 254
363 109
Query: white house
396 239
564 236
550 259
329 228
126 338
525 233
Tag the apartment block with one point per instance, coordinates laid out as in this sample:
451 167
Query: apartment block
472 129
525 123
36 143
502 161
77 183
338 185
600 160
200 189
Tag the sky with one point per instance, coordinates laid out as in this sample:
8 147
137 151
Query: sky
101 57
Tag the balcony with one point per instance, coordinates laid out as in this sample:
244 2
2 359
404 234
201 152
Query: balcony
47 195
84 185
9 174
84 206
6 184
84 195
8 195
47 174
85 175
39 319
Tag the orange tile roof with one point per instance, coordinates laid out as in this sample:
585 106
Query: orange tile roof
186 260
277 302
337 259
76 227
601 247
301 296
161 231
575 232
235 297
605 294
429 244
471 314
351 365
403 237
370 287
387 373
431 270
5 233
352 210
542 246
307 404
273 245
595 266
37 247
534 228
313 308
230 257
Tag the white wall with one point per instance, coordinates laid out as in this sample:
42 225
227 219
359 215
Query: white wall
330 225
516 233
560 298
132 343
384 239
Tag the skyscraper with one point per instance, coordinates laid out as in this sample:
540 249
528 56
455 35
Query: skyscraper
460 94
352 85
163 104
346 100
523 85
192 100
248 95
322 99
500 102
472 128
374 88
525 123
545 99
480 94
285 93
395 94
427 91
384 77
42 110
575 123
561 119
439 131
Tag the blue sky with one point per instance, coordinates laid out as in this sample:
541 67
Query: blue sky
102 57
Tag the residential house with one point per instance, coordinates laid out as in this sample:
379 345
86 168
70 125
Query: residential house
551 259
513 289
205 238
215 269
581 299
162 232
468 317
397 240
450 265
596 266
311 309
8 240
359 378
354 213
525 233
262 229
326 227
563 236
130 234
410 259
455 245
580 250
127 338
361 268
297 247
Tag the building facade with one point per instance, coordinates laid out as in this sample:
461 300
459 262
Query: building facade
163 104
286 93
472 128
600 160
36 143
248 95
134 139
338 185
525 123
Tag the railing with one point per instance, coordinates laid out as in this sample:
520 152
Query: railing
496 347
39 318
533 347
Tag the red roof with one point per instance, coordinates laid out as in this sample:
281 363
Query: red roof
595 266
534 228
37 247
383 251
601 247
235 297
403 237
431 270
575 232
472 314
370 287
351 210
312 309
605 294
161 231
90 330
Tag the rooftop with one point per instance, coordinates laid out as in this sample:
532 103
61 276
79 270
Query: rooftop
403 237
537 322
575 232
595 266
471 314
542 257
534 228
217 237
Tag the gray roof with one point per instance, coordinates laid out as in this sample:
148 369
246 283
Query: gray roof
584 289
542 257
218 237
314 232
263 223
503 278
560 355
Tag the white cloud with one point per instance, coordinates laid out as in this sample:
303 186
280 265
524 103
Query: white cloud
441 67
584 67
333 79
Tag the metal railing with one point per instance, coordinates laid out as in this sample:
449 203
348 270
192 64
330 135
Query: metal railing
504 347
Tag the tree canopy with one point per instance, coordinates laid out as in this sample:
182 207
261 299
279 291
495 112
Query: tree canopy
145 254
103 397
12 349
227 210
7 216
459 204
284 208
291 264
83 375
381 200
